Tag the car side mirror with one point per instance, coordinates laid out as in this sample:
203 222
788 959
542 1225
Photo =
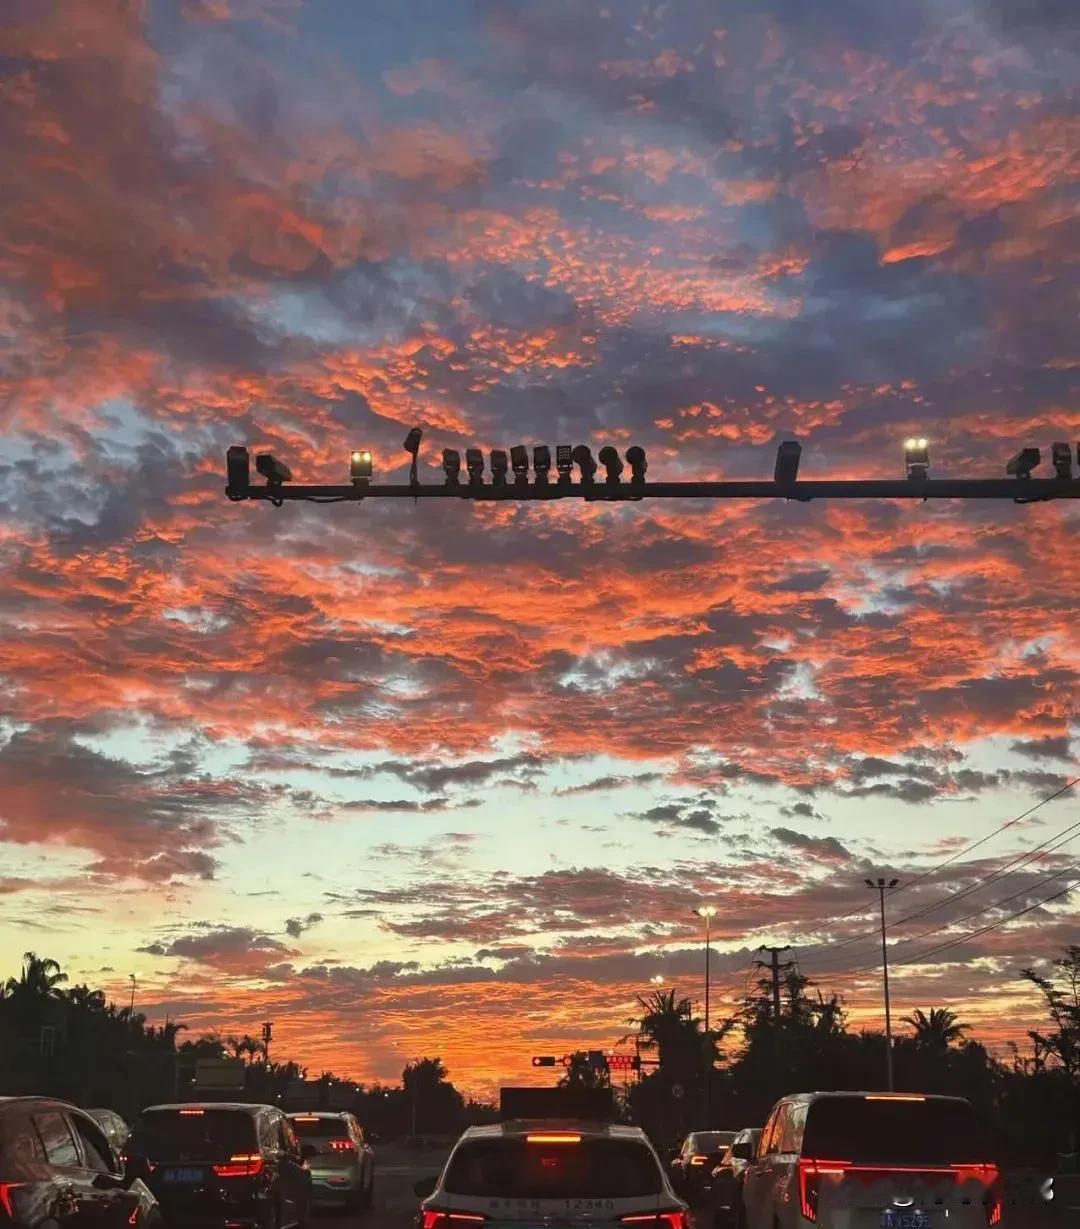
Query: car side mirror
424 1187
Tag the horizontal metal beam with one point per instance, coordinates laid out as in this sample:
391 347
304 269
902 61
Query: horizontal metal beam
1020 490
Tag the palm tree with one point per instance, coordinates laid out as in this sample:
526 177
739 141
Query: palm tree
39 979
937 1030
667 1023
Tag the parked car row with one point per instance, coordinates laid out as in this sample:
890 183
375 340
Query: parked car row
837 1160
235 1166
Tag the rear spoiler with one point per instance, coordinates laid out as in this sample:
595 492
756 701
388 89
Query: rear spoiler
565 1104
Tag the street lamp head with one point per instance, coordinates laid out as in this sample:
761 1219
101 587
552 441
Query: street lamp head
893 883
706 911
870 883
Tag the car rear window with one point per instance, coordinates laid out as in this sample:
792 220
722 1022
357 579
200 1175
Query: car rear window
893 1132
713 1141
516 1169
320 1128
185 1135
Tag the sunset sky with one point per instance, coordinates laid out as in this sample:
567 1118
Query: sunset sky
450 779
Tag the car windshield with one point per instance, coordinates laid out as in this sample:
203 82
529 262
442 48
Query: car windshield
516 1169
209 1135
320 1128
893 1132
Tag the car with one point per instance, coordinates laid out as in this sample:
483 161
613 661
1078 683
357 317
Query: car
538 1174
727 1177
698 1155
341 1161
57 1168
115 1129
226 1164
871 1160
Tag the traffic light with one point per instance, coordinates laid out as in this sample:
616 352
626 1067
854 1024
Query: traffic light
543 1060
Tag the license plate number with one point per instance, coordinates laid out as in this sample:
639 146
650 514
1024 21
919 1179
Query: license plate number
183 1176
905 1220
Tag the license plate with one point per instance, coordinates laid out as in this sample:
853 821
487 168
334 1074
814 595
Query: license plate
905 1220
182 1176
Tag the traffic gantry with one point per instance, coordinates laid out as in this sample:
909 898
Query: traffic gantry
1019 485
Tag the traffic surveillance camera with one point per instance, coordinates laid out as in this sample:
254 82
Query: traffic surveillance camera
360 467
1062 458
542 463
451 463
564 463
500 464
274 471
474 463
585 461
917 458
238 468
635 458
412 440
788 455
1023 463
612 462
519 463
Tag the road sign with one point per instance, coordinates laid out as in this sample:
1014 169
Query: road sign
219 1075
677 1091
543 1060
623 1062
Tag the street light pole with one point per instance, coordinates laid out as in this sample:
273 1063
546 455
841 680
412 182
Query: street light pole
131 1008
708 912
881 887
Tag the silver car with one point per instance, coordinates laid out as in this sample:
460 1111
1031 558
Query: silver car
341 1161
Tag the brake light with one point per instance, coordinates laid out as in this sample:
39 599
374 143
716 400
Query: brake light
192 1113
698 1160
810 1171
241 1165
5 1196
657 1220
449 1220
305 1118
554 1137
342 1145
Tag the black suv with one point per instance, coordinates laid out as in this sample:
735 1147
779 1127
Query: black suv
232 1166
58 1169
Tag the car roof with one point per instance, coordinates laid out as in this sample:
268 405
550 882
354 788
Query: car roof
809 1097
241 1107
38 1099
520 1127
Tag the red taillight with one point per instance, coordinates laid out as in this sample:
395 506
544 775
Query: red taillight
242 1165
656 1220
192 1113
810 1173
5 1197
342 1145
450 1220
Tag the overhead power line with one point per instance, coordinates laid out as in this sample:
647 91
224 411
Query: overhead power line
933 870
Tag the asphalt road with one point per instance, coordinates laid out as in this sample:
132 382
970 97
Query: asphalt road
395 1206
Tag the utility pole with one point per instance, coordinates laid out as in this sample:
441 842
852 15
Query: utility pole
708 912
131 1007
774 967
267 1037
881 887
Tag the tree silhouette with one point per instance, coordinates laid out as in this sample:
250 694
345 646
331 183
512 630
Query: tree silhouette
938 1030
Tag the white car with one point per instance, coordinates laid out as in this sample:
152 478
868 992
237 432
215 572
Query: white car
541 1174
852 1160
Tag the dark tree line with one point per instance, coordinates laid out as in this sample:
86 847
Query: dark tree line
1031 1104
71 1042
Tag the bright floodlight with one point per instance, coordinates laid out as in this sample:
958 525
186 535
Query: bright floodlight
706 911
500 464
788 455
612 463
474 463
1061 455
917 457
585 461
360 467
635 458
451 463
274 471
1023 463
